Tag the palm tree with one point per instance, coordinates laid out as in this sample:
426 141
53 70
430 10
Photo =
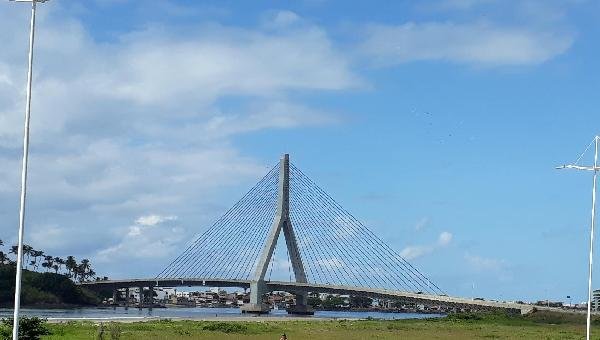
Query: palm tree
1 243
58 264
48 262
71 265
35 254
84 269
3 258
27 249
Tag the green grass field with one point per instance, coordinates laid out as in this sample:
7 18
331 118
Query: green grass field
537 326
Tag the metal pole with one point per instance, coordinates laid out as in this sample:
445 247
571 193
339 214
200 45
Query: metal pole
15 334
589 306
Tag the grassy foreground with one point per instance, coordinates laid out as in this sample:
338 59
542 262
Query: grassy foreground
540 325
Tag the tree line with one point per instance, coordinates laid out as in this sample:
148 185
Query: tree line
33 259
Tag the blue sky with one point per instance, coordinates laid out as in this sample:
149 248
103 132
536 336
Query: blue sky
424 119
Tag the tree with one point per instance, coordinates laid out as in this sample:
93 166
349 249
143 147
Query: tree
58 263
333 302
27 249
29 328
35 254
3 258
84 270
71 265
314 301
360 302
48 262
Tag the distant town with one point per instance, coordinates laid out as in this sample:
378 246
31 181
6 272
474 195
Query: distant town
220 298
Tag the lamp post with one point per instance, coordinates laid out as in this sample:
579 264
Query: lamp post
595 169
15 334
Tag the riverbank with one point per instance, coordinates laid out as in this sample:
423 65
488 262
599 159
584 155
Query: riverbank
539 325
44 290
196 313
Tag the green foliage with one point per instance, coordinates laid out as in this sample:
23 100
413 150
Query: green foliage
469 326
112 331
464 317
333 302
226 327
101 334
234 327
314 302
29 328
537 317
43 289
360 302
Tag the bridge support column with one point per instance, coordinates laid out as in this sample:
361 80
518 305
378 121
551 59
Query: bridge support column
301 307
141 302
151 298
256 306
281 222
127 298
114 297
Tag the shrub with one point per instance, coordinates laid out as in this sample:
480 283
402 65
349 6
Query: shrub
29 328
225 327
465 317
114 329
100 333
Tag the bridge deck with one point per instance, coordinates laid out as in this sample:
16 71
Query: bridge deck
295 287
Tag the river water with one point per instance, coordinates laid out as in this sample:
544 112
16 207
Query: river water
194 313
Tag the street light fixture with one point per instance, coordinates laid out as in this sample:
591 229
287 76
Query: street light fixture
19 270
595 169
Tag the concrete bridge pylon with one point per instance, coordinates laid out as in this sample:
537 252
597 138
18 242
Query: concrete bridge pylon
281 222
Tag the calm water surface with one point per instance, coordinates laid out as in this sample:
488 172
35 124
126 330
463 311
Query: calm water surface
134 313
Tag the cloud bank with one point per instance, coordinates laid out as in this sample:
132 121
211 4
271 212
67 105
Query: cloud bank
479 43
414 252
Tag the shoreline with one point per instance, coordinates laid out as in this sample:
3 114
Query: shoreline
223 318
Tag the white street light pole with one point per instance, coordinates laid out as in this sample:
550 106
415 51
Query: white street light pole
595 169
15 334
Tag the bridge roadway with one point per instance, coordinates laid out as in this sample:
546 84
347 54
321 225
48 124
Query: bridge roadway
296 287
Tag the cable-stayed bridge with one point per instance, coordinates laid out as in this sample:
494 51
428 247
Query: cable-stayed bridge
329 251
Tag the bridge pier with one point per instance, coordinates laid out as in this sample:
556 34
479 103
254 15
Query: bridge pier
126 298
301 307
141 302
256 306
114 296
281 223
151 299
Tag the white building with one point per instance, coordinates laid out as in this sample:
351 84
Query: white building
596 300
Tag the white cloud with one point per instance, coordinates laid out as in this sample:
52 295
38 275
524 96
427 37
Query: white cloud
330 263
422 223
444 239
485 264
471 43
151 220
497 268
282 18
150 237
140 122
413 252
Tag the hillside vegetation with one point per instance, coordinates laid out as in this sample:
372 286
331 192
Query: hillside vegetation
43 290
